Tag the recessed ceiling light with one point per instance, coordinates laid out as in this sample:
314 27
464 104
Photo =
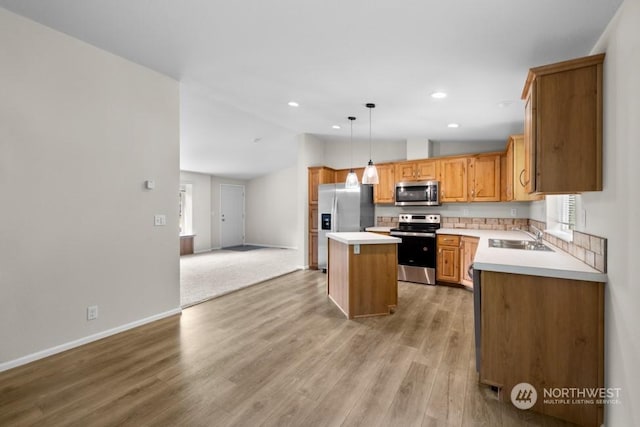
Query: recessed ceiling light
293 104
438 95
453 125
335 127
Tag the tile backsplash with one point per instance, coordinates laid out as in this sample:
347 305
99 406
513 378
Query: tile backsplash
485 223
590 249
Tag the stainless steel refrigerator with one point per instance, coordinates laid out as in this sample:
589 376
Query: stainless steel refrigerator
341 210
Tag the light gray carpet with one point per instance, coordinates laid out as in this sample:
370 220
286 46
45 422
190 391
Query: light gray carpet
211 274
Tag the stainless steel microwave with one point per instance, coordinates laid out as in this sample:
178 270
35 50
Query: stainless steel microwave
420 193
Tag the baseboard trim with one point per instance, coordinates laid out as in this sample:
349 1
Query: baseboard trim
5 366
270 246
202 251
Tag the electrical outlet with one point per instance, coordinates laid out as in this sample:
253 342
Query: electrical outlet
356 249
465 212
514 212
92 312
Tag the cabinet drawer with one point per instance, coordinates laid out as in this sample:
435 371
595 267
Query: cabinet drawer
448 240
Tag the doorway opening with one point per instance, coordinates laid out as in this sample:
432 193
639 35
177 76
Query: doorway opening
185 212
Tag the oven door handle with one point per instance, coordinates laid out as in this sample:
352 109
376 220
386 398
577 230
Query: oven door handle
410 234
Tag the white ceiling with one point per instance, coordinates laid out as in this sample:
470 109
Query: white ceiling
240 62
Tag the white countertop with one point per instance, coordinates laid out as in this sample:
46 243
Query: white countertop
558 263
363 238
378 229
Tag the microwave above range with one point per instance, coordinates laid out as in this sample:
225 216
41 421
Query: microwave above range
418 193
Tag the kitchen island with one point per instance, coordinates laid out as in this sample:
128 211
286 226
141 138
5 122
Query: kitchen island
362 273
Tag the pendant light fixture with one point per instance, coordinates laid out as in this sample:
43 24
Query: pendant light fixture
370 175
352 178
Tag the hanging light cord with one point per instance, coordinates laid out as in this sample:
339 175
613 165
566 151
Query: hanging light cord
351 119
370 144
370 106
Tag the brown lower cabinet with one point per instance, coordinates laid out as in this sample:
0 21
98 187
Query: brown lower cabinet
454 258
468 247
547 332
448 258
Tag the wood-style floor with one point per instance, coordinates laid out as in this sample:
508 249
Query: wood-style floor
276 354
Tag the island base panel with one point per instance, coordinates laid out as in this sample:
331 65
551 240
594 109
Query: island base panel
363 284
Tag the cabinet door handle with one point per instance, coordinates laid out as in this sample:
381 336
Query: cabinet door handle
520 178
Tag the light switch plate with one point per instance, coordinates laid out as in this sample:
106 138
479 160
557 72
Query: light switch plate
159 220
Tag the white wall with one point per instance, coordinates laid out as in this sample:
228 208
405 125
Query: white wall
538 210
337 154
80 132
215 207
201 208
310 153
614 212
271 209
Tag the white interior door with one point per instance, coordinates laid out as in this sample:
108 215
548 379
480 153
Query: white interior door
231 215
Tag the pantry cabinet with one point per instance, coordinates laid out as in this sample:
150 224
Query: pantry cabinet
313 250
563 127
317 176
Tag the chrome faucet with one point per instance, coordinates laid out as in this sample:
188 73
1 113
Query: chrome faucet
538 234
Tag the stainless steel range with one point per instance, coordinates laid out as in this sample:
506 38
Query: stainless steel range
417 252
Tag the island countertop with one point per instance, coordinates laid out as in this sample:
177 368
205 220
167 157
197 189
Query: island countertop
363 238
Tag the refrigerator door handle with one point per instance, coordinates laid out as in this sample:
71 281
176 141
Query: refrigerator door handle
334 214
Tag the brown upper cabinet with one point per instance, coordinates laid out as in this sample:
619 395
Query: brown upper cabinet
417 170
484 178
341 175
514 171
319 175
453 179
563 127
384 191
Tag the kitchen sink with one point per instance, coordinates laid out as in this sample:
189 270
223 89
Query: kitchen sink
527 245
